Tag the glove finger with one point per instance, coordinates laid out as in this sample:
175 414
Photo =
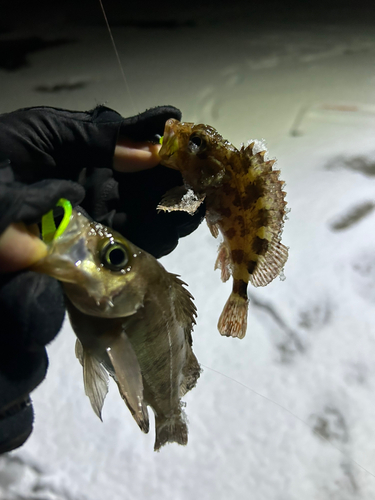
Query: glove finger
16 425
43 196
21 203
32 305
146 125
20 372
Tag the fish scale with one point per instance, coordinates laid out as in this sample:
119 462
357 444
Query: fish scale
244 202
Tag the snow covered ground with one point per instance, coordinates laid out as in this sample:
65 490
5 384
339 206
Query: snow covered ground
288 413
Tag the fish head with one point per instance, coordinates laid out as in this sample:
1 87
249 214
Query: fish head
199 152
103 273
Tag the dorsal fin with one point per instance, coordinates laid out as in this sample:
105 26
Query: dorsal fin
255 161
271 264
186 313
185 309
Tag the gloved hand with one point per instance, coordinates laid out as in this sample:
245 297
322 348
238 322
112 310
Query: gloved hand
31 308
42 151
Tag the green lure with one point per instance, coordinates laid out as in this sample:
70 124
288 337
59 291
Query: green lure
49 231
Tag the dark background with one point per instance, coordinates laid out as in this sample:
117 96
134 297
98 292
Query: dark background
27 27
20 14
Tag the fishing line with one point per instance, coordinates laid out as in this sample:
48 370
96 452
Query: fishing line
293 415
118 58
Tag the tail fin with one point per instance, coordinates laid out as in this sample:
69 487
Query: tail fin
233 319
170 430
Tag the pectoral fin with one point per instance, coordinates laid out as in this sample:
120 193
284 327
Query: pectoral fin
270 265
181 199
95 379
128 377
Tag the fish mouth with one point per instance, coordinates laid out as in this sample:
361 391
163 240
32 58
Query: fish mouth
170 142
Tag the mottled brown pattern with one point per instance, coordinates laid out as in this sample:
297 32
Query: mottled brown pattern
260 246
261 217
238 256
240 287
231 233
240 222
251 266
244 198
228 189
237 201
253 191
225 212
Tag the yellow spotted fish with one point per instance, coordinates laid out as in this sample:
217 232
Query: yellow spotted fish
244 201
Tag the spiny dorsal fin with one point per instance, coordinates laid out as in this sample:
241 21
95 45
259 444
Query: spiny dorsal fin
255 161
224 262
185 309
271 264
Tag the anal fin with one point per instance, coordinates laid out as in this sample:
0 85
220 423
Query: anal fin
213 227
223 262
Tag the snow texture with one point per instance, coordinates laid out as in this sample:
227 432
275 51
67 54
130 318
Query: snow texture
288 412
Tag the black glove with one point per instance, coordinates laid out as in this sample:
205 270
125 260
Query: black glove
63 146
31 304
127 201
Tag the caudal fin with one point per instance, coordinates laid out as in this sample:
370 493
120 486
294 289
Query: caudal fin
233 319
170 430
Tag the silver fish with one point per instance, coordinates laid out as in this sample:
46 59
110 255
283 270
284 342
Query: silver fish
133 321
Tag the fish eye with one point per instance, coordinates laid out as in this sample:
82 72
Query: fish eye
196 143
114 256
